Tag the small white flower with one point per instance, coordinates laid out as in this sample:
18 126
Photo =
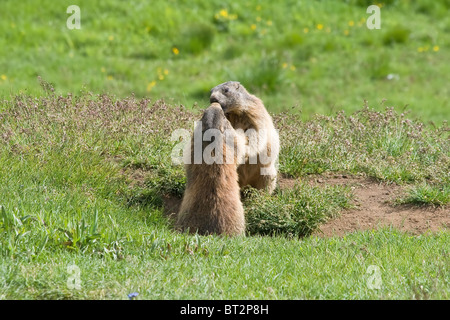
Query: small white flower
392 76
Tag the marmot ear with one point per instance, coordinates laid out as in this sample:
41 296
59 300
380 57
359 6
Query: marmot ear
237 85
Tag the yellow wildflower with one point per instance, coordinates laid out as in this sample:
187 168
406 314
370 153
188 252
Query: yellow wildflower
103 69
111 38
258 8
284 65
4 77
346 32
269 22
305 30
292 67
151 85
166 72
320 26
223 13
361 22
253 27
420 49
436 48
175 51
109 77
351 23
258 19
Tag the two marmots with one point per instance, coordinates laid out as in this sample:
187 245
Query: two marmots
211 203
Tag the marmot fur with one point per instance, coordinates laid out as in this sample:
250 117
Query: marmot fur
245 111
211 202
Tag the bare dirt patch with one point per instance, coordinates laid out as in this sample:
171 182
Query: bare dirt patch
373 209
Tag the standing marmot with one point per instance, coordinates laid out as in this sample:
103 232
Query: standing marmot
211 202
247 112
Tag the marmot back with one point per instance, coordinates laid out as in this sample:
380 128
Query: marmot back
211 202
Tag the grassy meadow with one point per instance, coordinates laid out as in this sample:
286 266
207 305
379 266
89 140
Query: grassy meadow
85 156
315 56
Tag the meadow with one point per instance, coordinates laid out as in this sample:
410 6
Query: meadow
85 156
313 56
83 181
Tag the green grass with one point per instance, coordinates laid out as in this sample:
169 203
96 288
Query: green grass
385 145
425 194
83 174
294 212
82 181
317 56
164 265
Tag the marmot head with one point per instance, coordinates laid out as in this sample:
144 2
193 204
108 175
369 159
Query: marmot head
229 95
214 118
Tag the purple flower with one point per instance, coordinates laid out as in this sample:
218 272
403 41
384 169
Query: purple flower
132 295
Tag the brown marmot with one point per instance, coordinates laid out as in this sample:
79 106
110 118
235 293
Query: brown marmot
250 118
211 202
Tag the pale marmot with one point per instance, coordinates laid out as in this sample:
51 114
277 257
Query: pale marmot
211 202
250 118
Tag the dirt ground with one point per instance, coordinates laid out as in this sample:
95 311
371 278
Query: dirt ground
373 208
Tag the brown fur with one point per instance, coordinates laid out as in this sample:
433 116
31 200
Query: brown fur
246 111
211 202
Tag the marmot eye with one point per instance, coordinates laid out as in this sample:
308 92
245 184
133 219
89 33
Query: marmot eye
225 90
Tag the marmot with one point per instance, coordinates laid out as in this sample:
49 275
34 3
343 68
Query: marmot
211 202
247 112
